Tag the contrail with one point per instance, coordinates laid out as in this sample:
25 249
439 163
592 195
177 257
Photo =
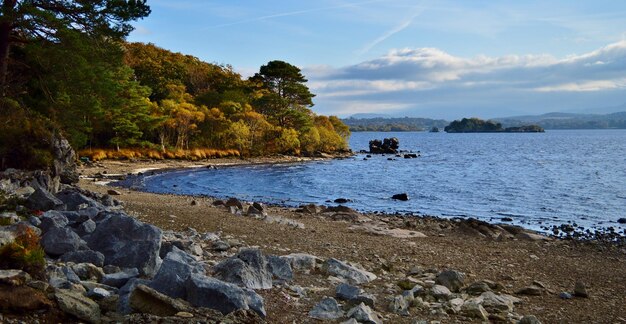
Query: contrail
292 13
400 27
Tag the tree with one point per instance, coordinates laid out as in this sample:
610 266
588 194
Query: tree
287 99
23 21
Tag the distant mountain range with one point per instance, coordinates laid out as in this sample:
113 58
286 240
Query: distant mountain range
556 120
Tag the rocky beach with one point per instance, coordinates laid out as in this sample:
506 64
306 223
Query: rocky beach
119 255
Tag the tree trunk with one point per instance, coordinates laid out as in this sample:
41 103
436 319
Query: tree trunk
6 26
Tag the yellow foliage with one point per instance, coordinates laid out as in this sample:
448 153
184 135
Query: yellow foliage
140 153
24 253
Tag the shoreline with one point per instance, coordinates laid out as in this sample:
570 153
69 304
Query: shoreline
126 172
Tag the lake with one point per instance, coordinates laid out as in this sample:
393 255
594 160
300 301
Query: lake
536 179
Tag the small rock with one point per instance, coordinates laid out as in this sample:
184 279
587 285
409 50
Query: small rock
452 279
341 200
622 220
529 319
530 291
234 202
98 293
474 310
348 271
363 314
347 292
440 292
580 290
220 246
399 305
326 309
194 203
113 192
120 279
78 305
565 295
401 197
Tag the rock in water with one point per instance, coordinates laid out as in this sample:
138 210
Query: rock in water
248 268
401 197
127 243
326 309
212 293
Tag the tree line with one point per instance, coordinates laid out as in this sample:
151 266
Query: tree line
65 68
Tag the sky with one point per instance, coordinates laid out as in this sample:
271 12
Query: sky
430 58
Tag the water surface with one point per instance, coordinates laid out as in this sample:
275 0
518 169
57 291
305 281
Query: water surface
537 179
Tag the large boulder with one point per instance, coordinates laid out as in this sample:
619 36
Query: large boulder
58 241
248 269
176 268
127 243
280 268
350 272
64 166
52 219
74 199
86 256
43 200
225 297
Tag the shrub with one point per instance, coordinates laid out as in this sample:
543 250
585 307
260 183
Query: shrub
24 253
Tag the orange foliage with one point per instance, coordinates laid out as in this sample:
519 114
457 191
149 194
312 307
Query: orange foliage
128 154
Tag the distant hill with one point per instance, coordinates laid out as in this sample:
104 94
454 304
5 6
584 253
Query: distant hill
568 121
380 124
369 116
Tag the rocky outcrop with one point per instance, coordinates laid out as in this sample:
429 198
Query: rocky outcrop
386 146
64 165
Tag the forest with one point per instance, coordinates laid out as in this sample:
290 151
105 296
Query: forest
65 68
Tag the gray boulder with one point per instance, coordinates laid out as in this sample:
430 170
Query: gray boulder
174 272
43 200
247 269
326 309
52 219
363 314
85 228
529 319
74 218
86 256
64 164
352 273
452 279
78 305
225 297
88 271
74 200
127 243
119 279
123 303
280 268
302 262
58 241
347 292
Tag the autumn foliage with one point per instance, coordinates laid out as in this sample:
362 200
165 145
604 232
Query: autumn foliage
24 252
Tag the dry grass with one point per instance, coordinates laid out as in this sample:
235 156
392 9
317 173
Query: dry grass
140 153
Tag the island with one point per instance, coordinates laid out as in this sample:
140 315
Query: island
476 125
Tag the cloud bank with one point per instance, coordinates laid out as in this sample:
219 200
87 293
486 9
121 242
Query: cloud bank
429 82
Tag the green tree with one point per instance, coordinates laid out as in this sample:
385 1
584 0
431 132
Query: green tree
286 98
23 21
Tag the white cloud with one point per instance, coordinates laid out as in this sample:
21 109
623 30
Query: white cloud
417 79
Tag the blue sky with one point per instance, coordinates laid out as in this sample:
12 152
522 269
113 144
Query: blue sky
443 59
